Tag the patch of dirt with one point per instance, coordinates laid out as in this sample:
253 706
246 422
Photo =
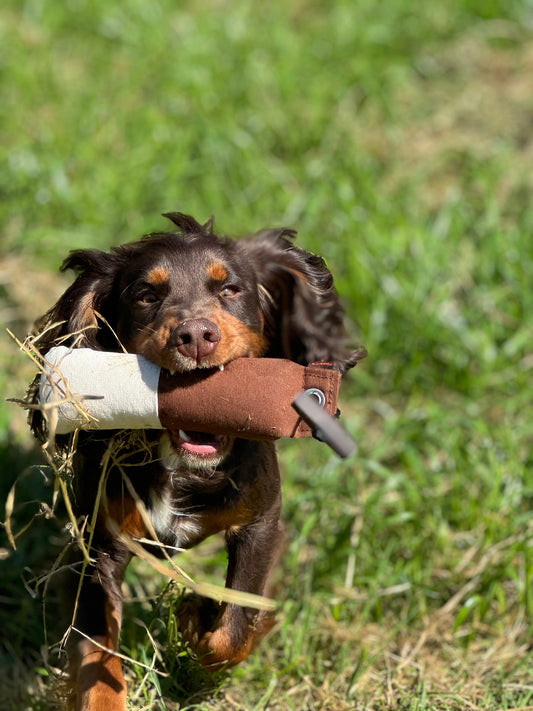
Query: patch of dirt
25 294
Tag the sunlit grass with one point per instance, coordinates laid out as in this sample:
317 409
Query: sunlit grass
396 139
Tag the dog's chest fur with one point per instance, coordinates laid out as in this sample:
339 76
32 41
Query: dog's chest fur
184 505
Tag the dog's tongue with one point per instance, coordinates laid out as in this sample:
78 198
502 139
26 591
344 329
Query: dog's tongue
199 442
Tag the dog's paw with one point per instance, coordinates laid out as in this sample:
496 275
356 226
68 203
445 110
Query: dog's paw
196 615
216 649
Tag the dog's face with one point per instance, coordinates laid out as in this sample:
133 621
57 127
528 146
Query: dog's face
190 299
187 304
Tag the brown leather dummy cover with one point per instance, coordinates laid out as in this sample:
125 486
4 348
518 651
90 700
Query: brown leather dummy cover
250 398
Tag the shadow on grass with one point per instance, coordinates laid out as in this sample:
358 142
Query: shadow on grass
24 634
32 619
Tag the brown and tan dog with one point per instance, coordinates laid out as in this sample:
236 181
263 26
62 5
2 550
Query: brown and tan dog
186 300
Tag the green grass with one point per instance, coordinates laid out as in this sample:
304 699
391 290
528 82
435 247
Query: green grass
396 138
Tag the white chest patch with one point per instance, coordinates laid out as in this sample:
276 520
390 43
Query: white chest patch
176 528
160 513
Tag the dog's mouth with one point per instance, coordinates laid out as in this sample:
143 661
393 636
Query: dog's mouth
191 366
199 443
199 449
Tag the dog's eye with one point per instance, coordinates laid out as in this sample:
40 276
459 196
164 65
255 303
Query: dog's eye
229 290
147 297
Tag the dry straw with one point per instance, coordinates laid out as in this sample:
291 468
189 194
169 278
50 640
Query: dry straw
123 445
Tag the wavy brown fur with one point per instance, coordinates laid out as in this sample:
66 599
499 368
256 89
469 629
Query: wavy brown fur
261 296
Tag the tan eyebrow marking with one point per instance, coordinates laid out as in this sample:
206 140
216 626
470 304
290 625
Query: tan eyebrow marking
217 271
158 275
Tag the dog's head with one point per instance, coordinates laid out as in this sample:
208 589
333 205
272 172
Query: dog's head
190 299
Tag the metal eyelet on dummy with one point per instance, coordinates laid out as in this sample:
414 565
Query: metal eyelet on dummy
318 395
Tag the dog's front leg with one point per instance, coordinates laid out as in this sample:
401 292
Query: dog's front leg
252 552
96 670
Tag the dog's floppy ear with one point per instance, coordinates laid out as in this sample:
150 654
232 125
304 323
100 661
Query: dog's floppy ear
303 315
83 316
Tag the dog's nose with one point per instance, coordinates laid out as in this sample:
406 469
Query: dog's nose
196 338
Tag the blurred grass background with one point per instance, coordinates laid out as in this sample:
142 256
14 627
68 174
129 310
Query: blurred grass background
397 138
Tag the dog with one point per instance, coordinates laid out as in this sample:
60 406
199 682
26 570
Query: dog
185 300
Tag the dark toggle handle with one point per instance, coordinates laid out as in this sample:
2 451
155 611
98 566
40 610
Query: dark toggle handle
326 428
